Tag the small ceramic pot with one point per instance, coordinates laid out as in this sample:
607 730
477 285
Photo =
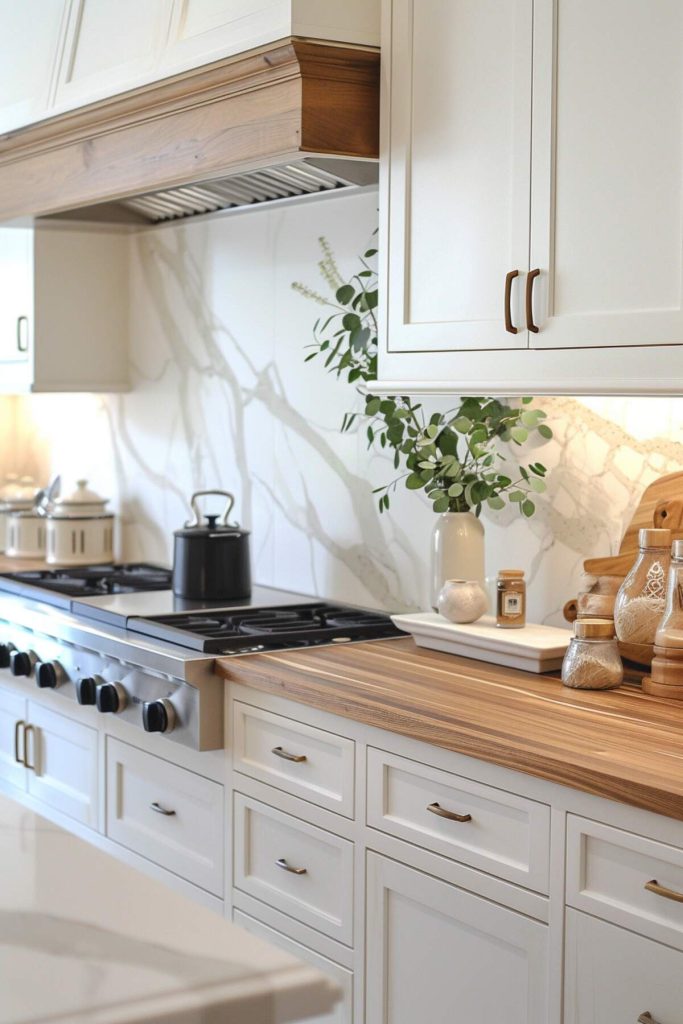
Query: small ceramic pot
25 534
79 530
462 601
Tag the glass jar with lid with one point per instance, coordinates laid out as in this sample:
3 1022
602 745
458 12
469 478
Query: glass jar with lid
592 661
510 599
641 599
670 632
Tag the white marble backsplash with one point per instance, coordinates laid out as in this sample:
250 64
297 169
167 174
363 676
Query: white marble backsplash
222 398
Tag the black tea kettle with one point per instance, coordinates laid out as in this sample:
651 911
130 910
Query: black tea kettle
211 556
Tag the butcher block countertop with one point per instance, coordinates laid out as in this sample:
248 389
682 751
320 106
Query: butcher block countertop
619 744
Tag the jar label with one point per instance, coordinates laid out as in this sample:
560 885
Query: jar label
512 604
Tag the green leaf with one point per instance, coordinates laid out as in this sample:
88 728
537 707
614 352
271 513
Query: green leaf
414 482
519 434
359 338
516 496
372 405
528 508
462 424
351 321
345 294
495 502
369 253
431 430
441 505
369 300
455 490
545 431
531 417
527 401
537 485
370 435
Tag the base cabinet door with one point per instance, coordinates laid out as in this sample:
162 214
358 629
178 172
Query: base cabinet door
613 976
439 954
61 756
12 715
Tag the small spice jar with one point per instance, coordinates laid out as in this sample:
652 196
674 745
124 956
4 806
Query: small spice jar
510 599
592 660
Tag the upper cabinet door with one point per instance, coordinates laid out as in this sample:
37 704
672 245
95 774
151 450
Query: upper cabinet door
110 47
29 42
206 30
607 196
16 294
457 140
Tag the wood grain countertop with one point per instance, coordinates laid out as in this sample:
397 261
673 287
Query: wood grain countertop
620 744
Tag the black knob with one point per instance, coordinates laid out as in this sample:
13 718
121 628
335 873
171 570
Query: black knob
158 716
86 690
5 651
20 663
109 697
47 675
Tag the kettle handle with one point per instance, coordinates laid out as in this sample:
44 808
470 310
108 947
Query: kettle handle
223 518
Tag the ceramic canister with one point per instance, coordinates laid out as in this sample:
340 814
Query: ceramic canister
79 530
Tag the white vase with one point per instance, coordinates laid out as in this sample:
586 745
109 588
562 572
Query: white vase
457 551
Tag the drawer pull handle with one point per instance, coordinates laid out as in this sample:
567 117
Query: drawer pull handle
20 727
451 815
509 278
155 806
286 756
661 890
530 278
646 1018
282 863
30 730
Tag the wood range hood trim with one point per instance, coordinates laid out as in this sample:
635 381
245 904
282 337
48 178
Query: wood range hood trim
291 101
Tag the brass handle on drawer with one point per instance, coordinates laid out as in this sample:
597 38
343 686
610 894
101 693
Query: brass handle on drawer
282 863
286 756
19 727
154 806
646 1018
451 815
530 278
661 890
509 278
30 730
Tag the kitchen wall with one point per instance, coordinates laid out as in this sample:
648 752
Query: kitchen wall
222 398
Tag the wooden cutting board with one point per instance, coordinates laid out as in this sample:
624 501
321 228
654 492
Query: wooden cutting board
661 505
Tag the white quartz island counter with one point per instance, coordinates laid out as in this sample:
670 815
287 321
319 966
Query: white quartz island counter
88 940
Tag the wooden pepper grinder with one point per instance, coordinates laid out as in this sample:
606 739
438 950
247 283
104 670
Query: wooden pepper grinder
666 673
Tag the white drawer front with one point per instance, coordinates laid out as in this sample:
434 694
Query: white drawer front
188 841
306 762
607 874
319 891
503 834
616 977
343 978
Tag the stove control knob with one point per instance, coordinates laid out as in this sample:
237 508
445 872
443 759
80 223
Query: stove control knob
5 651
158 716
110 697
49 674
21 662
86 690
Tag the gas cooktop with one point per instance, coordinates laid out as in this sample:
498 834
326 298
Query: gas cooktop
61 586
253 630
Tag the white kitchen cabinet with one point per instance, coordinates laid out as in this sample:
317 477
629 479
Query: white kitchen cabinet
437 953
12 715
30 39
61 758
615 977
559 161
63 309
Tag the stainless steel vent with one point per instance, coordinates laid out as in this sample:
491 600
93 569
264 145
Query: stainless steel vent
310 177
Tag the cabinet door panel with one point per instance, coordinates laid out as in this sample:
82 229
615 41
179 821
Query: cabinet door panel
12 710
206 30
65 757
28 53
16 293
459 150
110 47
437 953
607 197
614 977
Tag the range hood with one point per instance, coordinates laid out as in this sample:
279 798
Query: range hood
293 120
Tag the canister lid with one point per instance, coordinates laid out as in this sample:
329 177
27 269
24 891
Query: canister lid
511 574
594 629
652 538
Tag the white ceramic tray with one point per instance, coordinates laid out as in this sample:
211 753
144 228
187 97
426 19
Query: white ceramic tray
533 648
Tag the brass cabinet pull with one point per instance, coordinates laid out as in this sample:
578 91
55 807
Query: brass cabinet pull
646 1018
286 756
282 863
30 730
155 806
661 890
530 278
509 278
19 727
451 815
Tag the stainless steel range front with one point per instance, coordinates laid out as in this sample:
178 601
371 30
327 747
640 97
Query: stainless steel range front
116 639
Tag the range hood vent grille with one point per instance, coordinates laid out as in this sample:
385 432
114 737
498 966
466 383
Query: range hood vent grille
279 182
